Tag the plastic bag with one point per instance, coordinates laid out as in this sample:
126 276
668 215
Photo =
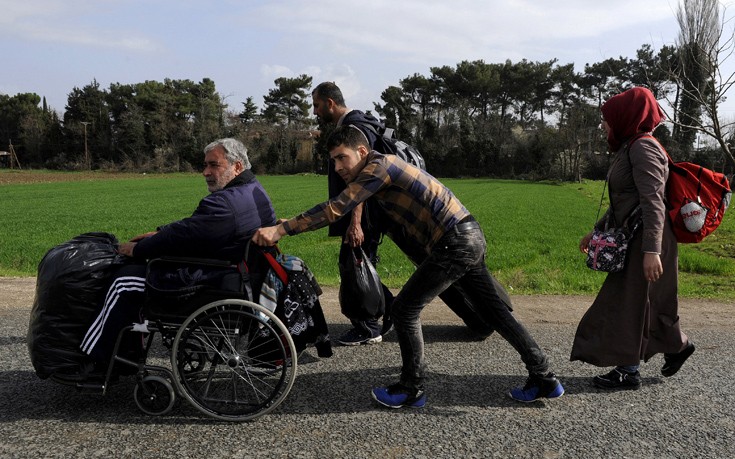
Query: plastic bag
360 291
72 280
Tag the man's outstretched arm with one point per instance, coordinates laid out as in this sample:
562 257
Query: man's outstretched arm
269 235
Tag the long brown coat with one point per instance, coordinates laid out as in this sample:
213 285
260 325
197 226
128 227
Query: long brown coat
633 319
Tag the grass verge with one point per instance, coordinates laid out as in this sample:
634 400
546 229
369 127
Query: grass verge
532 229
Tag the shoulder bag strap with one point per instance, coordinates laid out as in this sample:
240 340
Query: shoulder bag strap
627 152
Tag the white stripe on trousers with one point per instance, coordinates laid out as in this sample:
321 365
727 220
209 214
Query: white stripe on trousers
121 284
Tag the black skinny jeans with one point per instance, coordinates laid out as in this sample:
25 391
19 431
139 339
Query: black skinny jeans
459 256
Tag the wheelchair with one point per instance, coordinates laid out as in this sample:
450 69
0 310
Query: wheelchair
230 358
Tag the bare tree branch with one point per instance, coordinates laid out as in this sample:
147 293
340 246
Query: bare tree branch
704 45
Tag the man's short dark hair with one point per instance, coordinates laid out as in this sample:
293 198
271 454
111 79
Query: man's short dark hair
329 90
349 136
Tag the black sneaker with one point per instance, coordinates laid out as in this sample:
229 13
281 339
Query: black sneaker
673 362
538 387
618 379
355 337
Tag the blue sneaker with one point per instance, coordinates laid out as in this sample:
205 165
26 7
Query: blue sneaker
538 387
398 396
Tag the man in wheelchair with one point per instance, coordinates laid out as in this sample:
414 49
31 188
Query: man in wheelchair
220 228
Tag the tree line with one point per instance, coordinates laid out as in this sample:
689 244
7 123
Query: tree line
528 120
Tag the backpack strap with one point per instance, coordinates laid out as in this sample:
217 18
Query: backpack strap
636 137
274 264
277 268
639 136
371 128
673 167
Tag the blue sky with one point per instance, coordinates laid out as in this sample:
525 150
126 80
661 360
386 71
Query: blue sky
50 47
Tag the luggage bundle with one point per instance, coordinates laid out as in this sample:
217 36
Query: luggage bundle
72 278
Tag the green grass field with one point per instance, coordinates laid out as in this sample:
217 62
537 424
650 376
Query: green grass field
532 229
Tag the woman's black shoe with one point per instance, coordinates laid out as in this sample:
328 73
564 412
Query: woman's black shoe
673 362
618 379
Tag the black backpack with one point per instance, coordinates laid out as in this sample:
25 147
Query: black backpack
387 143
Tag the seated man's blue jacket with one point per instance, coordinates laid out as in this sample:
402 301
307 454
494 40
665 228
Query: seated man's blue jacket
219 228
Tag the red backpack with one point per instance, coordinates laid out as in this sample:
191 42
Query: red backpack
696 198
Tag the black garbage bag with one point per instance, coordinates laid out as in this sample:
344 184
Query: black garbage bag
360 292
72 280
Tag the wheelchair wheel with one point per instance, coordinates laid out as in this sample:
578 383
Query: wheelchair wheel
245 360
154 395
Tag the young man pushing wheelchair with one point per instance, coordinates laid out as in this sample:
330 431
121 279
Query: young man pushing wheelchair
433 217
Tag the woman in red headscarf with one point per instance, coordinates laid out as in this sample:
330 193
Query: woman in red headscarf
635 314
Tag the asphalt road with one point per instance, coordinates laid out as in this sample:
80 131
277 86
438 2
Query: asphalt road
329 412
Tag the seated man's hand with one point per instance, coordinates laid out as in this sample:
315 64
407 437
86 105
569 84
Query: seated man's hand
268 235
142 236
126 248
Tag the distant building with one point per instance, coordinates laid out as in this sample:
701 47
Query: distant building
9 159
307 142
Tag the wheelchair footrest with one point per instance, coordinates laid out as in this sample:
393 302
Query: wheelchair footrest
97 388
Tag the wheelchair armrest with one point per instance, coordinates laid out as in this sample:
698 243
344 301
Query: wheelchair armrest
193 260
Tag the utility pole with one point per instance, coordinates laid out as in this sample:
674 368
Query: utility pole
86 151
13 156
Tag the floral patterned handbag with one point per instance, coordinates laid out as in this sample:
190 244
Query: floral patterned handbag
607 250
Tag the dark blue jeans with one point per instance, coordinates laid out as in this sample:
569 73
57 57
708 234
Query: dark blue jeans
459 256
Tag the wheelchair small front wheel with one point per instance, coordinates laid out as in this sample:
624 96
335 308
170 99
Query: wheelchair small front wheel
154 395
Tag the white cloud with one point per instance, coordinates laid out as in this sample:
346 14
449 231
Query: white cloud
271 72
64 22
94 39
245 45
425 30
14 11
342 74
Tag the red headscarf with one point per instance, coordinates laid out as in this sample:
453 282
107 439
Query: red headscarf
629 113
